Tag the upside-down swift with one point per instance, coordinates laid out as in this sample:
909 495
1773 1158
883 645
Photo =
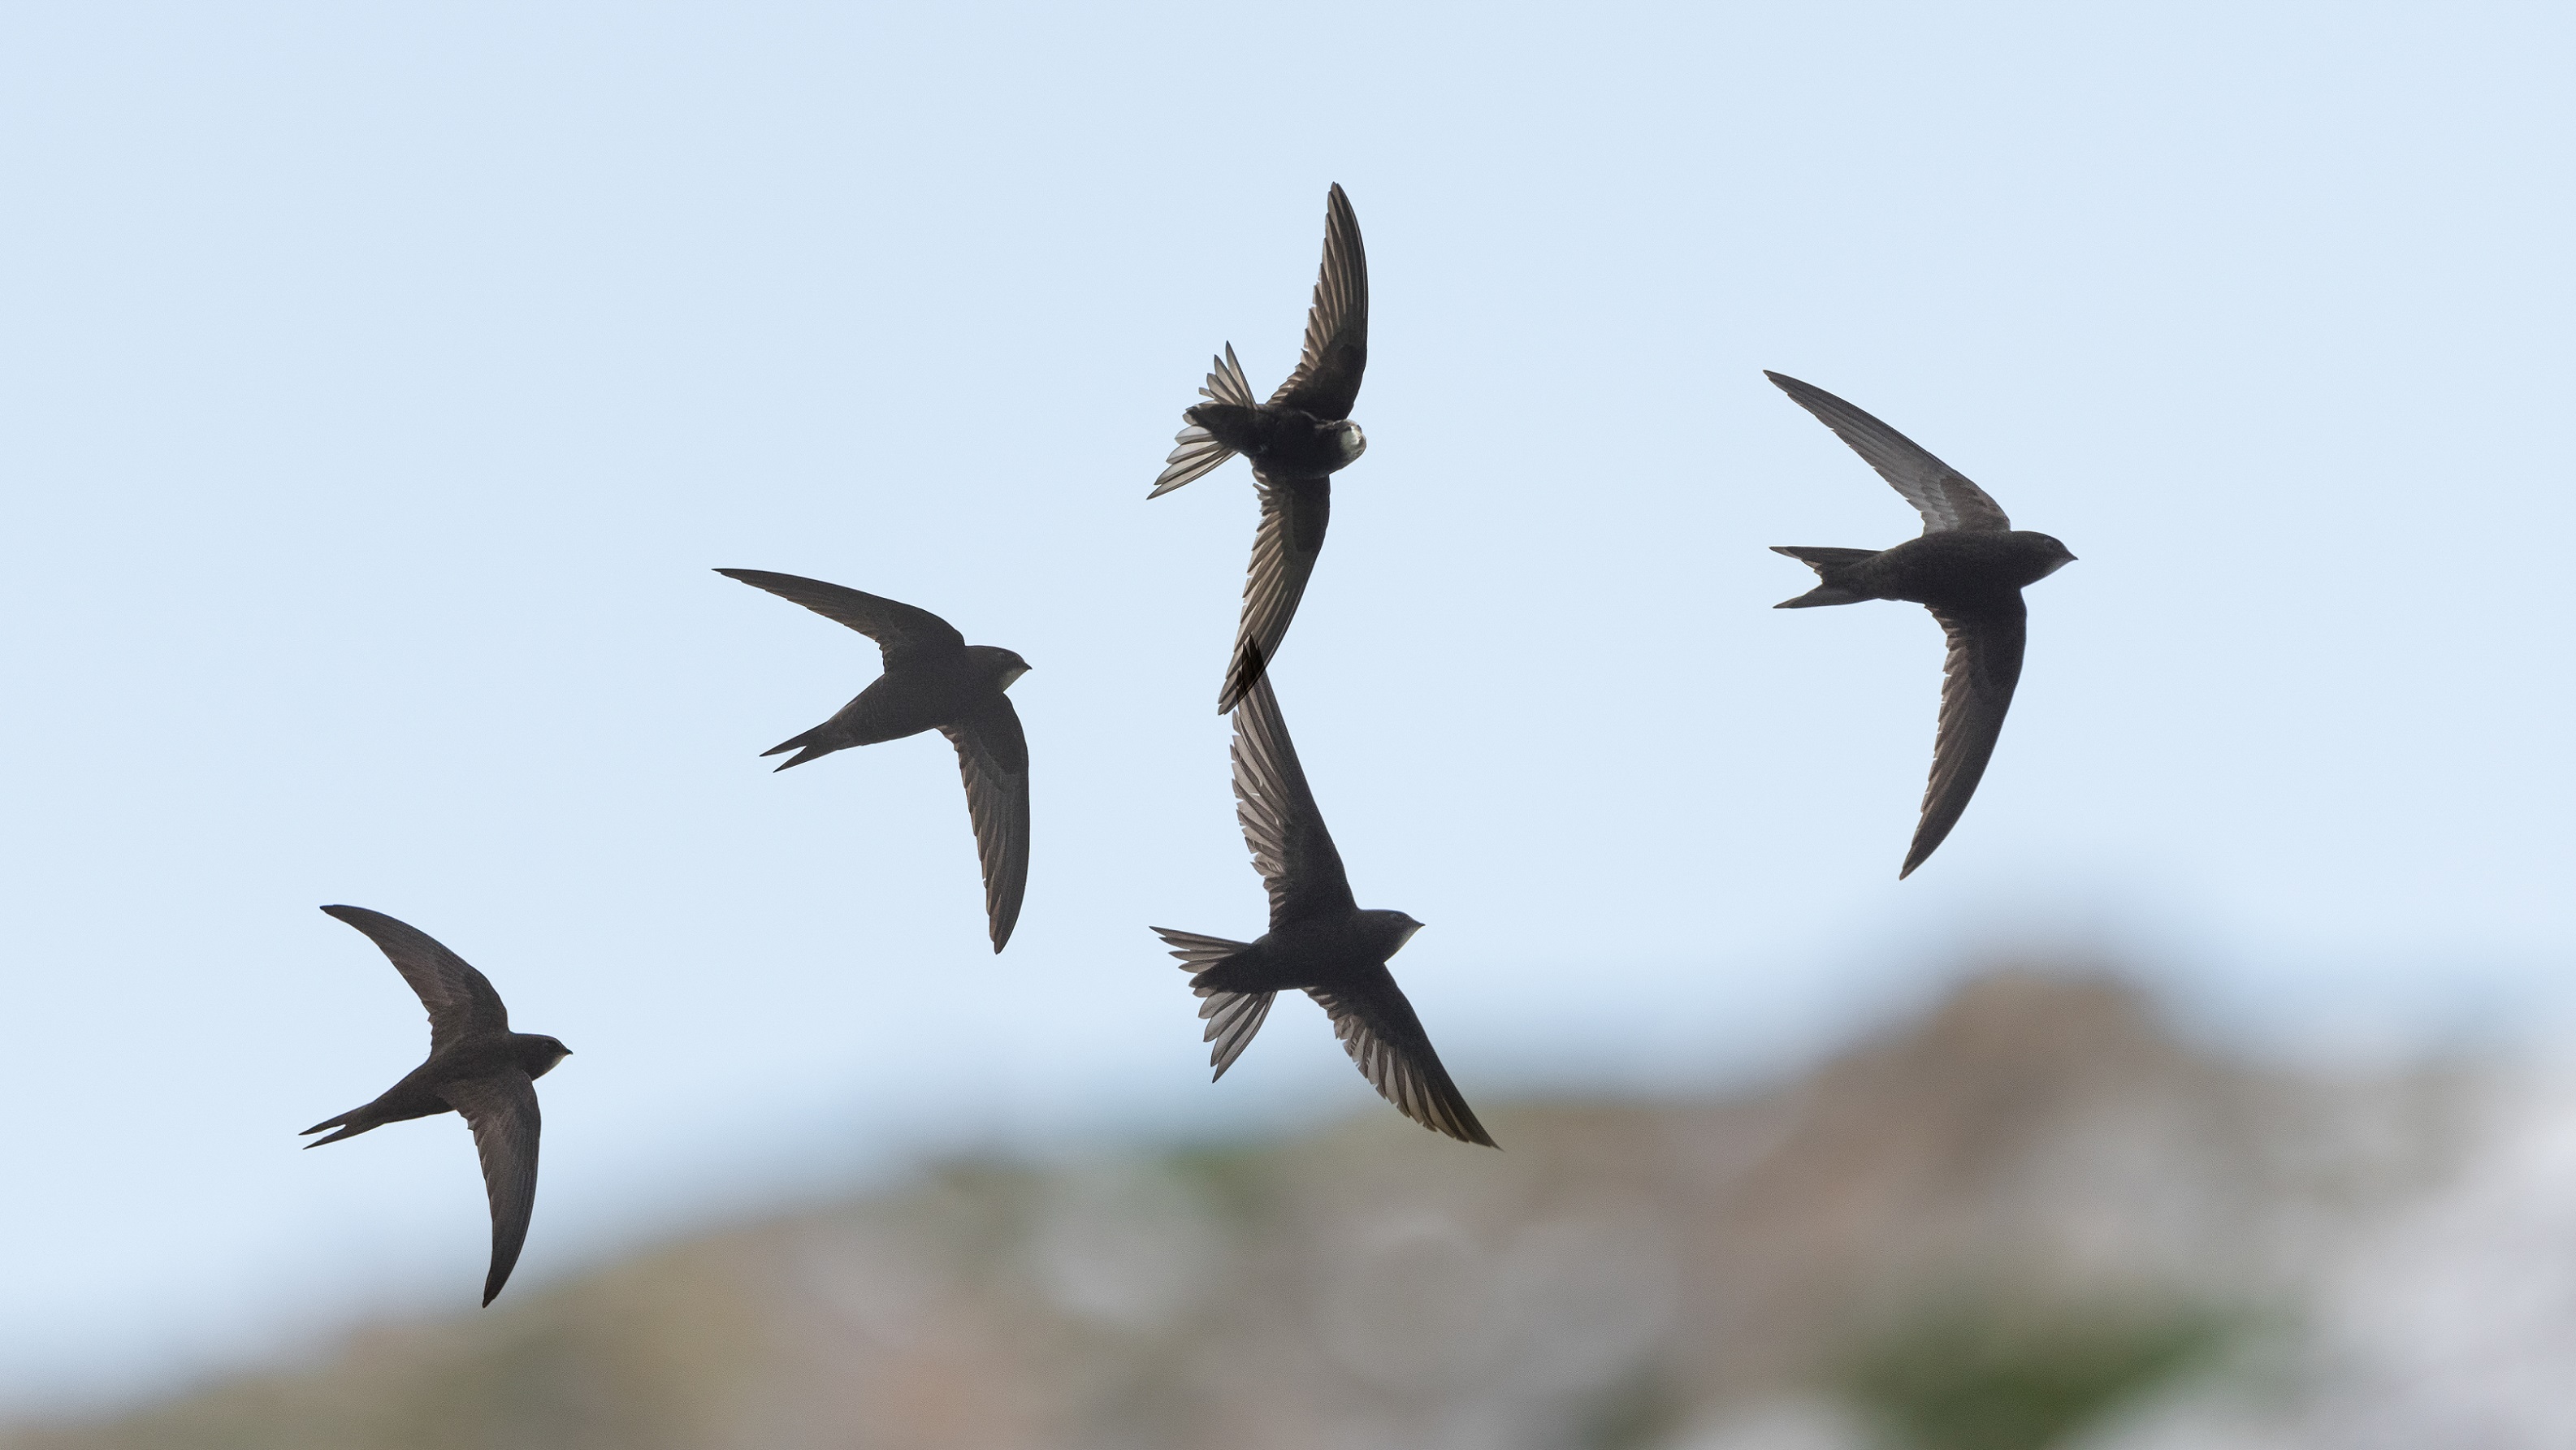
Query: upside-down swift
1296 442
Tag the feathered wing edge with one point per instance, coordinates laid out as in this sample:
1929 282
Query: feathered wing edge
1941 494
897 627
502 1111
1327 380
459 999
993 759
1405 1072
1283 828
1978 676
1295 513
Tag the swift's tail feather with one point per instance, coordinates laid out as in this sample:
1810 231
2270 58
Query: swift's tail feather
1232 1017
1226 382
1198 953
807 746
1822 560
1821 594
1195 452
354 1125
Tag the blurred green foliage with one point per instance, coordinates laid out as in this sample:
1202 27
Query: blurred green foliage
1637 1412
1985 1374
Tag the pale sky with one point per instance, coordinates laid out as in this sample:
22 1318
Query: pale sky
381 386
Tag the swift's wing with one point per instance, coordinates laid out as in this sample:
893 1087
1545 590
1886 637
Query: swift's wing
1942 494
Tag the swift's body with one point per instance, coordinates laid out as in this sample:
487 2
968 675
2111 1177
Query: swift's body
1320 942
477 1068
1296 442
1968 568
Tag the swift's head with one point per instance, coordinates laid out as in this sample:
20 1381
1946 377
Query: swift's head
2053 556
1348 442
1005 666
539 1053
1393 927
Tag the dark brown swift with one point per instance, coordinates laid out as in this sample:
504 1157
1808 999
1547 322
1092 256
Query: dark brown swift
1968 568
1319 941
933 680
477 1068
1296 442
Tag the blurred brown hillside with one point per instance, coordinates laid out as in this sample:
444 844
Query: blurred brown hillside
1982 1231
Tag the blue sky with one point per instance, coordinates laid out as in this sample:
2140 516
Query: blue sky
377 389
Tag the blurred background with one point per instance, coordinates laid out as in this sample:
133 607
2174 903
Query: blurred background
377 389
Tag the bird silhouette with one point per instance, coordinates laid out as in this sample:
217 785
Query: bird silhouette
933 680
1968 567
1320 942
1296 442
477 1068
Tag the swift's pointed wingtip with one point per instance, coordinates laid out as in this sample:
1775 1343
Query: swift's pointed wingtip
1920 850
1471 1133
353 916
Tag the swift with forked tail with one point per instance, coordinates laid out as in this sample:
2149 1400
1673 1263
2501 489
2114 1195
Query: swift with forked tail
1968 567
478 1069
